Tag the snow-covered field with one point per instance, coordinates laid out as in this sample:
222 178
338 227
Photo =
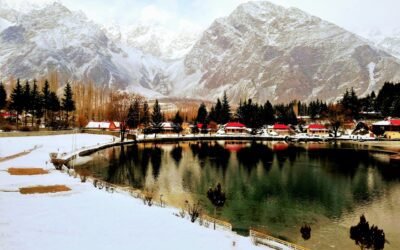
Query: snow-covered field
85 217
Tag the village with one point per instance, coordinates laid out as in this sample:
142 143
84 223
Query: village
388 129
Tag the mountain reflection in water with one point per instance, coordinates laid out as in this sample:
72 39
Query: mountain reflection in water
274 186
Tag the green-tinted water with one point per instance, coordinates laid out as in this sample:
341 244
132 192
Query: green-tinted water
273 186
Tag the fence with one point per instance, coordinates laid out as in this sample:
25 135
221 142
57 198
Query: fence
259 237
256 235
220 223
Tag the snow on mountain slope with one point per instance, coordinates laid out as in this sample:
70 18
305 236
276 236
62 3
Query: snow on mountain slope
4 24
155 39
389 42
264 51
54 38
260 51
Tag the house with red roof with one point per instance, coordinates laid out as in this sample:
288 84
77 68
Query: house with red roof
111 125
280 129
389 128
316 129
235 128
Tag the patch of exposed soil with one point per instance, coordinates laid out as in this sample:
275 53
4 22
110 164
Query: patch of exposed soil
27 171
44 189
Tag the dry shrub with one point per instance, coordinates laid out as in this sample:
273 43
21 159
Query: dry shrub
83 174
27 171
148 198
194 210
44 189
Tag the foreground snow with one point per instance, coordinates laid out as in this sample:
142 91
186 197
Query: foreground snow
85 217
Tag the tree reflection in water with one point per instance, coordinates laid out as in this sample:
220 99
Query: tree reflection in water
271 185
176 154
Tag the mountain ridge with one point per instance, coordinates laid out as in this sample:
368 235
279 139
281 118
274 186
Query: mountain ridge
260 51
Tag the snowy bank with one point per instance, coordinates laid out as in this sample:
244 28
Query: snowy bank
85 217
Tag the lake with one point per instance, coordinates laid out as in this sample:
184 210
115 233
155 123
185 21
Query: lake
273 186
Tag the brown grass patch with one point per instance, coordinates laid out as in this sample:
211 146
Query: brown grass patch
44 189
27 171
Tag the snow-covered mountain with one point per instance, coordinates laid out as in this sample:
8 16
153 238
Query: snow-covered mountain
389 42
260 51
159 41
264 51
55 39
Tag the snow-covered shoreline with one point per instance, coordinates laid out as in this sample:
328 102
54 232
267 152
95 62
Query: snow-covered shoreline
85 217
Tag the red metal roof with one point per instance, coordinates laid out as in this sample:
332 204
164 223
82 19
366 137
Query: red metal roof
200 125
234 125
395 122
316 126
281 126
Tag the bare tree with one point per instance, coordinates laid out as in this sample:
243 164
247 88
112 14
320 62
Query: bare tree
118 109
336 117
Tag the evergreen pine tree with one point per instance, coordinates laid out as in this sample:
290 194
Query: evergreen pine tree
3 96
178 120
54 106
146 114
218 111
130 121
36 102
226 110
134 114
156 116
202 114
68 104
45 96
212 115
27 100
17 100
350 104
268 113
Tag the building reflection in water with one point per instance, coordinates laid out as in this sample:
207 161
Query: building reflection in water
276 186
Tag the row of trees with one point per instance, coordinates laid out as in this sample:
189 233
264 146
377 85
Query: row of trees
219 113
255 115
28 100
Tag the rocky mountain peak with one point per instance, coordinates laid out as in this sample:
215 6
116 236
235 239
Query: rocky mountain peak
264 51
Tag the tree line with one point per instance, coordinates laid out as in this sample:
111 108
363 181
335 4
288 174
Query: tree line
32 104
88 102
349 108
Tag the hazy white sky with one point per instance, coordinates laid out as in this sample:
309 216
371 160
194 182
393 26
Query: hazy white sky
354 15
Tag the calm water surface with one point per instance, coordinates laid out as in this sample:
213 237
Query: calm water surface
273 186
